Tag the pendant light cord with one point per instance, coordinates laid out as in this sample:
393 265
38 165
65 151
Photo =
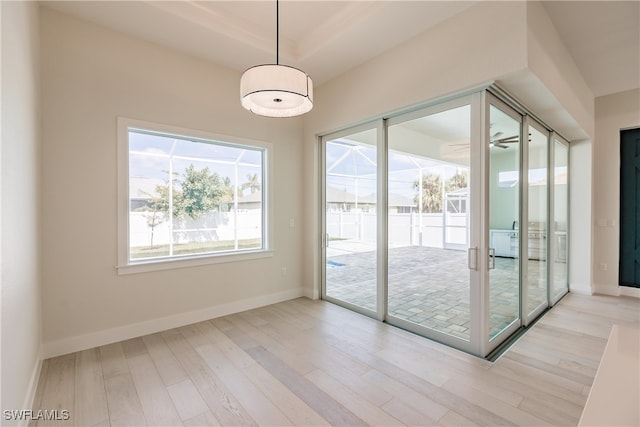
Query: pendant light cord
277 32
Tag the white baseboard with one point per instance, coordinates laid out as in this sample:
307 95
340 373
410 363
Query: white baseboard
311 293
33 386
629 292
108 336
616 290
613 290
581 288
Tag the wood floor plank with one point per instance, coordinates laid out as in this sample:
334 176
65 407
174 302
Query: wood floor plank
166 363
261 409
289 314
435 393
514 415
295 409
410 397
113 360
202 420
187 400
252 337
406 414
377 394
231 350
122 400
535 377
501 388
317 399
552 369
218 398
552 414
59 392
418 365
369 413
157 406
90 395
453 419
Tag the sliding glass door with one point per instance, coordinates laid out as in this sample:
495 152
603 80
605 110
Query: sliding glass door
559 226
350 232
447 220
429 217
504 136
537 188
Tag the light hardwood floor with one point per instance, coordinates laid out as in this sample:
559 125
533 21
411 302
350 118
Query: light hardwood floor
305 362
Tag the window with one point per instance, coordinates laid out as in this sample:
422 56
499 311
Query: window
189 198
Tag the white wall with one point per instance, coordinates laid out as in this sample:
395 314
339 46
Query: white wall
551 63
91 76
613 113
580 203
19 198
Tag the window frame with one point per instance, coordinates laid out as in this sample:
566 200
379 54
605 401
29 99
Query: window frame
127 266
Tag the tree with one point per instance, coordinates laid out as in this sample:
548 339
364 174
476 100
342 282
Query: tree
253 184
228 190
153 216
157 208
456 182
431 193
195 193
200 192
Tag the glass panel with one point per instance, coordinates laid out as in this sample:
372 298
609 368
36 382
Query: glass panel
189 196
559 240
351 219
504 208
428 217
537 227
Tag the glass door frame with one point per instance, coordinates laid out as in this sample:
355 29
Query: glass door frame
474 223
528 317
324 241
552 249
480 99
488 343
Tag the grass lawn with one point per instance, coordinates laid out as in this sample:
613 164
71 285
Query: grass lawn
139 252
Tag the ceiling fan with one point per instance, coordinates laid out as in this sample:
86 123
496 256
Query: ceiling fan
496 141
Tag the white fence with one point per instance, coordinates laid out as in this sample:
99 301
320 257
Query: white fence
434 229
214 226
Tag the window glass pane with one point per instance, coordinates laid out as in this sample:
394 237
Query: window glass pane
504 212
537 228
559 240
191 197
429 162
351 219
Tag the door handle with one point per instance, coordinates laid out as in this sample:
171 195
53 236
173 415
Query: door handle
472 258
492 258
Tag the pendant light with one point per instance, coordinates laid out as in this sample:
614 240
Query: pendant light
276 90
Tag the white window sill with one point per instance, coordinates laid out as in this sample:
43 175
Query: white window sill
192 261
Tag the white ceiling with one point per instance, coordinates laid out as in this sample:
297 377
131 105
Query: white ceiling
327 38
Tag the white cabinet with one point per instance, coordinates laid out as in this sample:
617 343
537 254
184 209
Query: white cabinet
505 242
